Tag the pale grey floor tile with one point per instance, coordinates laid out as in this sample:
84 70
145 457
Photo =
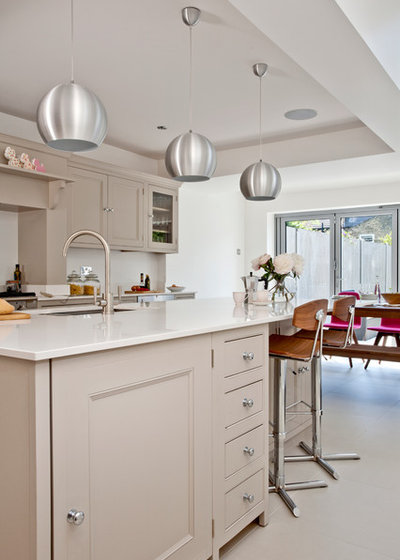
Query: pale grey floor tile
294 543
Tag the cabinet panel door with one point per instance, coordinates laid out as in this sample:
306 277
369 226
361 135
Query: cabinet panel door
87 199
132 448
125 219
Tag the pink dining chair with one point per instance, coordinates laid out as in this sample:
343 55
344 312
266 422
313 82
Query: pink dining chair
338 324
388 327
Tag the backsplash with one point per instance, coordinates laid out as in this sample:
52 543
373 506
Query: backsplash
125 267
8 246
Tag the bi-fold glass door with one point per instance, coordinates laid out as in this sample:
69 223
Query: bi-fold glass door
311 237
343 249
366 250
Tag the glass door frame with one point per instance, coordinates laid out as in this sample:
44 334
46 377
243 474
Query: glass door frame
367 211
280 236
335 216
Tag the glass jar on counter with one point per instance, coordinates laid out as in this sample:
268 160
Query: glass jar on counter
91 284
75 284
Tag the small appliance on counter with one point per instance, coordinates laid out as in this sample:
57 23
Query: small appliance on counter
250 285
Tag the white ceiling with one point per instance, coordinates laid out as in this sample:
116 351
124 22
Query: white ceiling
134 55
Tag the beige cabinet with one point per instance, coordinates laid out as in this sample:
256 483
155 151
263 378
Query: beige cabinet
112 206
132 450
240 446
162 230
86 203
159 450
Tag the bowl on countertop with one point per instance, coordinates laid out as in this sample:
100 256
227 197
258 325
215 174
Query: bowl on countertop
175 288
392 299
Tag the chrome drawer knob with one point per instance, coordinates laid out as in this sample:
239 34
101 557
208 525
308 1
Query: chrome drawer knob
248 355
75 517
248 497
248 450
247 402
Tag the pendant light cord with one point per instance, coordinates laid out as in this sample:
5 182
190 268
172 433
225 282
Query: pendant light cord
259 129
72 41
190 80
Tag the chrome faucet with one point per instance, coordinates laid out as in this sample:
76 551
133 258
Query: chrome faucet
107 302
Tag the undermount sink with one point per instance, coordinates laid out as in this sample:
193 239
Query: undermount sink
83 312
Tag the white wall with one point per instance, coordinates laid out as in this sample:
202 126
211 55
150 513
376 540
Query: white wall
8 246
125 267
211 229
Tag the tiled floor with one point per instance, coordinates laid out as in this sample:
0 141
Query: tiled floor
358 516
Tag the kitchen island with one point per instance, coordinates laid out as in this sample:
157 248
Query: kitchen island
137 435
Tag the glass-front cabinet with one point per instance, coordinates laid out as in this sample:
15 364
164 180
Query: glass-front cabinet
163 219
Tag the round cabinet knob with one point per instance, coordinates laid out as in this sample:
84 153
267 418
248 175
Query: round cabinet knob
248 497
247 402
248 450
248 355
75 517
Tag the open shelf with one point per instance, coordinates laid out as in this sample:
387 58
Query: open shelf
46 177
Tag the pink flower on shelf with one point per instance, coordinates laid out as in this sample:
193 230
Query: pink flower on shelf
38 166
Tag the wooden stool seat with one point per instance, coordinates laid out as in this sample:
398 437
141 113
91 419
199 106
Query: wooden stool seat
292 347
330 337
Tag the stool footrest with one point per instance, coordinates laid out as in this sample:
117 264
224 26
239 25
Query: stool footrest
341 456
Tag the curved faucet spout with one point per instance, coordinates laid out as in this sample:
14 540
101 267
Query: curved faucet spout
108 308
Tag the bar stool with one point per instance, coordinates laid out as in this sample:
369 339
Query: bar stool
343 309
310 317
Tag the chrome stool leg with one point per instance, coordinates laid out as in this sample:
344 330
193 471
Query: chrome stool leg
278 480
314 453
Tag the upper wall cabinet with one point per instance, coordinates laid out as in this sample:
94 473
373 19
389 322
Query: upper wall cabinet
131 210
112 206
125 209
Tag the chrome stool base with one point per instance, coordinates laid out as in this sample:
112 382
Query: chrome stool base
314 453
277 477
282 492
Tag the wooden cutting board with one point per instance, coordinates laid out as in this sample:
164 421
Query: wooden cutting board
14 316
143 292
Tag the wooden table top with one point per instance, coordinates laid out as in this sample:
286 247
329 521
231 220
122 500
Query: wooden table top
382 311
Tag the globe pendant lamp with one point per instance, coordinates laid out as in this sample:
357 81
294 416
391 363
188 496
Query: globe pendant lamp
70 117
260 181
190 157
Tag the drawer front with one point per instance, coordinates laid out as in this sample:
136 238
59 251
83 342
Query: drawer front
243 354
236 503
243 403
244 450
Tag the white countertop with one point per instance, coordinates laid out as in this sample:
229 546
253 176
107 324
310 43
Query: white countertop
47 336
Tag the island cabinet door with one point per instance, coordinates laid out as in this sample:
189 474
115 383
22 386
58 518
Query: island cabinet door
132 453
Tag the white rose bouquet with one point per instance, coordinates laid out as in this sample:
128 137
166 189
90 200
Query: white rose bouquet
278 268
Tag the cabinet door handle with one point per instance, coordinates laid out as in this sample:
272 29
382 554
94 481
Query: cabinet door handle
248 450
248 355
248 497
75 517
247 402
111 209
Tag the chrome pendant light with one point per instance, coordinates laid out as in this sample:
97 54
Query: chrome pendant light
70 117
190 157
260 181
